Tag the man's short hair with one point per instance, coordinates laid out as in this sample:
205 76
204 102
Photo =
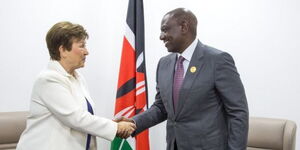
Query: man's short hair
184 15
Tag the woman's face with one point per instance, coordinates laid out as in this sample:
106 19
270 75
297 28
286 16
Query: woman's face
75 58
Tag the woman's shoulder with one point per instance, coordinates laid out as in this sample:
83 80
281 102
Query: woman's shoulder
50 76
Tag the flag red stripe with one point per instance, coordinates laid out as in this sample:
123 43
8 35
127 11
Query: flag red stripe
127 64
125 101
143 137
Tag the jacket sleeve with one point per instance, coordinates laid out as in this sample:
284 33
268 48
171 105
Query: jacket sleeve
154 115
55 94
231 91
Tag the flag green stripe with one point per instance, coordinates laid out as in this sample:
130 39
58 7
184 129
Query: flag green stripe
117 142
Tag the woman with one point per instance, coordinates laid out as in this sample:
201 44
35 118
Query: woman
61 110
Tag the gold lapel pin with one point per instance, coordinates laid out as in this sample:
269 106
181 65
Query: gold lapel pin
193 69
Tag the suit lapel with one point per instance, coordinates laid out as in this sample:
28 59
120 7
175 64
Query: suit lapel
190 76
169 80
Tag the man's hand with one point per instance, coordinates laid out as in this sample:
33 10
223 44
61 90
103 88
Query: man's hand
125 129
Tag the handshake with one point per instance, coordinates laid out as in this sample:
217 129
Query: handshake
126 127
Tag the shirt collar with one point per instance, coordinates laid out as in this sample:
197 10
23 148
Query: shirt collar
56 66
188 52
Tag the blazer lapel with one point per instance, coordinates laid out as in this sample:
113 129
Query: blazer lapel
191 74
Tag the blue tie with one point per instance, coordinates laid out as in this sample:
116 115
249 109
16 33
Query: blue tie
90 109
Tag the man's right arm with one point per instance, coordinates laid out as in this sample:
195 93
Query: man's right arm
151 117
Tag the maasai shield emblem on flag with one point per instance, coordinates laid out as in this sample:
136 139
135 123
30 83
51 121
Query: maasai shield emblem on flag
132 85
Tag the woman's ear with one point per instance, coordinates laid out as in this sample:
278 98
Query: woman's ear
62 51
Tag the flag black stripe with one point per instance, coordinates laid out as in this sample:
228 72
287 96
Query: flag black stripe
139 30
126 88
130 19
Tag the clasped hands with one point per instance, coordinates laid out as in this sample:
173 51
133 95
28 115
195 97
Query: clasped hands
126 127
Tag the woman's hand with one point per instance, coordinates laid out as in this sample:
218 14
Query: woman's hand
125 129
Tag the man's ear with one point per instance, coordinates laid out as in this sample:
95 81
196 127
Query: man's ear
184 27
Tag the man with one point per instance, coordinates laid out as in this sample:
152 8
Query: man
199 92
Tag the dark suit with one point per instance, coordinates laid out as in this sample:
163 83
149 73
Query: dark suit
212 111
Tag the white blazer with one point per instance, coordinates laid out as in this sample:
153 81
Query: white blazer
59 119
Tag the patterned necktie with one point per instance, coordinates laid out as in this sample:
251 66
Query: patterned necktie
90 109
177 82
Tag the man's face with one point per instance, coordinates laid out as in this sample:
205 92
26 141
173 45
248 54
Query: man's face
171 34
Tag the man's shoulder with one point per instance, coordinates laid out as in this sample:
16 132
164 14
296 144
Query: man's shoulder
168 57
209 50
211 53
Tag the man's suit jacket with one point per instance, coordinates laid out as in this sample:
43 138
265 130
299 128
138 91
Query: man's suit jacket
212 110
59 119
